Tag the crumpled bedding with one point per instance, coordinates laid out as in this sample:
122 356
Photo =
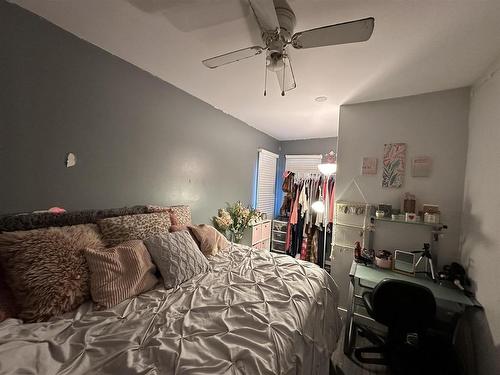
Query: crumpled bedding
254 313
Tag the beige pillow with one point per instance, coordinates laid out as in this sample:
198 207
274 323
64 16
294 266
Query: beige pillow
120 272
116 230
210 240
46 269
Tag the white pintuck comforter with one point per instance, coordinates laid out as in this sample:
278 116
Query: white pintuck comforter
255 313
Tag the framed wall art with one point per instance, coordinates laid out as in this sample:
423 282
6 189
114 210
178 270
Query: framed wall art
369 166
394 165
421 166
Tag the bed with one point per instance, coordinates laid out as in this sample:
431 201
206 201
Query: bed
255 313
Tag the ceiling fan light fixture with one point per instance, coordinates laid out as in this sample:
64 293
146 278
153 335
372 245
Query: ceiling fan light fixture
276 66
275 62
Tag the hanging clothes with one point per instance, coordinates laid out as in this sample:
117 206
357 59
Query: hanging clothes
306 227
287 188
331 211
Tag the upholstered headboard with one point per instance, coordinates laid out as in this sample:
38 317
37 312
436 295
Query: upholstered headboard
28 221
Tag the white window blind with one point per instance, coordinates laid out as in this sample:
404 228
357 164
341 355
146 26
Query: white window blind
302 164
266 182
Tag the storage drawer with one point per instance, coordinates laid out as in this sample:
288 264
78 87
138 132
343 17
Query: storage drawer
256 233
265 245
266 230
280 236
280 225
279 246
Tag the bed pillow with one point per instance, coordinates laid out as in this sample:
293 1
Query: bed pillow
156 209
46 269
210 240
181 214
177 257
116 230
119 272
177 228
7 302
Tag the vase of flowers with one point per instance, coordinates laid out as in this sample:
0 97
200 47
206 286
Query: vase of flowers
234 219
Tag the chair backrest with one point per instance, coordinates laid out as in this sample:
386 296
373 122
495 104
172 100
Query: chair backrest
403 305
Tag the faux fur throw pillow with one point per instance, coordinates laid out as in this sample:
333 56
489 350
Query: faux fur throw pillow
210 240
7 302
120 272
46 269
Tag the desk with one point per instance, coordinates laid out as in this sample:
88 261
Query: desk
369 276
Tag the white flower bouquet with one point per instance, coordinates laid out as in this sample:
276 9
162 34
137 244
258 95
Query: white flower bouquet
234 219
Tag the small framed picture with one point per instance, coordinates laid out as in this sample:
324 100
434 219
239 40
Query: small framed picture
404 262
369 166
421 166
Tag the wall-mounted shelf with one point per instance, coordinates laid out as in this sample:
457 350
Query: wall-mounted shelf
389 220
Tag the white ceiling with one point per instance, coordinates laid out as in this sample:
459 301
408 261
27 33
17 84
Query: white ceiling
417 46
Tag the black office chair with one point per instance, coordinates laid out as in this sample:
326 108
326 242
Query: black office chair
407 309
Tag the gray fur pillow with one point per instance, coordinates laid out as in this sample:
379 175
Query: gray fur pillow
177 257
46 269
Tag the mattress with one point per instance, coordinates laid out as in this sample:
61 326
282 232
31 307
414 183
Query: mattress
254 313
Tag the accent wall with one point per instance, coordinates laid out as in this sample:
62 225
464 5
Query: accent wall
137 139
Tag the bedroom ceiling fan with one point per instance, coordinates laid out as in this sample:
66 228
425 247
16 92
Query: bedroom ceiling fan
277 21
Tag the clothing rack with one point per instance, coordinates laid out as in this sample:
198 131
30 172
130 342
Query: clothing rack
308 230
306 175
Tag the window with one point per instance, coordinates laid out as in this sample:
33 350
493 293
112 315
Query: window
302 164
266 182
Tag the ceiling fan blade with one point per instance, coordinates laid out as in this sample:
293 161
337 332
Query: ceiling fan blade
341 33
232 57
265 13
287 82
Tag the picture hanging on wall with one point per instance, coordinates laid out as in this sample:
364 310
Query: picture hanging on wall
394 165
421 166
369 166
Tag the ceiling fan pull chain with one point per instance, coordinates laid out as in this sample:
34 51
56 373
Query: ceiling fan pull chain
284 68
265 78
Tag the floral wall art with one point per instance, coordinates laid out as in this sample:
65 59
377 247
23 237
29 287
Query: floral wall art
394 165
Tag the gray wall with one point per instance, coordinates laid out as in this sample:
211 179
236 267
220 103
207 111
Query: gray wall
480 240
308 146
137 139
433 124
